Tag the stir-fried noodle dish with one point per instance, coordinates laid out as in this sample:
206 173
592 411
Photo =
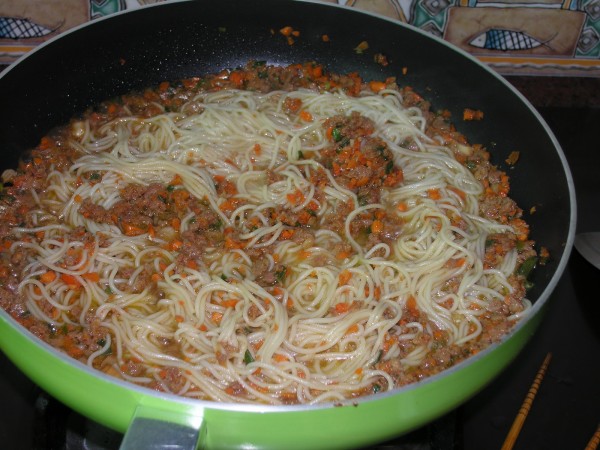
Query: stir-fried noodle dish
272 235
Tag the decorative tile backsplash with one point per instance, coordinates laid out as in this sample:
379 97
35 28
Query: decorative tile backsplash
515 37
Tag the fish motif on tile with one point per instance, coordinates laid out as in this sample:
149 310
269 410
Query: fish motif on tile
505 40
17 28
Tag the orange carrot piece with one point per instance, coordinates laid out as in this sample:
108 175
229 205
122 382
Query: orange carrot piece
343 255
329 133
237 78
344 277
472 114
231 243
352 329
296 197
48 277
411 304
306 116
94 277
342 308
286 31
287 234
70 279
376 86
377 226
434 194
229 303
132 230
176 181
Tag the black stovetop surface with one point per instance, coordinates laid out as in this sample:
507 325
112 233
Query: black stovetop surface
566 410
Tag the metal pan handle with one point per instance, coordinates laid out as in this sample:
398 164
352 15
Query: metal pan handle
153 429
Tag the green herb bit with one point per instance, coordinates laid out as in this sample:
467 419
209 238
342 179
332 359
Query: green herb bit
280 274
527 266
10 199
336 134
215 226
248 358
344 141
389 167
381 150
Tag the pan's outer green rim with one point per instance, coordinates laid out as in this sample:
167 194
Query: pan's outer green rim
375 419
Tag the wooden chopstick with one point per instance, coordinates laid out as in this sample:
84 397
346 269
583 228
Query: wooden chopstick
515 429
594 441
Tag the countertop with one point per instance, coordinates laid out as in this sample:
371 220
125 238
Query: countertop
566 411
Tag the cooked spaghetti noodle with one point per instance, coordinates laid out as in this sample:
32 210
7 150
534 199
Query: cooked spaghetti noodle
303 243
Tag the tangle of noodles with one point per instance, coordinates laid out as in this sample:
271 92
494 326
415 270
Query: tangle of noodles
292 246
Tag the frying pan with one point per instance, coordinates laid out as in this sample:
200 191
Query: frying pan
173 40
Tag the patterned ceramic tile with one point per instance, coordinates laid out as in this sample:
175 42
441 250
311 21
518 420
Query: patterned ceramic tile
532 37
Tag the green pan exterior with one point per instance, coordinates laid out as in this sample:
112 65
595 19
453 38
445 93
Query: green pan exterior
113 403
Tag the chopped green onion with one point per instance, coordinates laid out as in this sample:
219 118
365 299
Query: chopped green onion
389 167
336 134
248 358
527 266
